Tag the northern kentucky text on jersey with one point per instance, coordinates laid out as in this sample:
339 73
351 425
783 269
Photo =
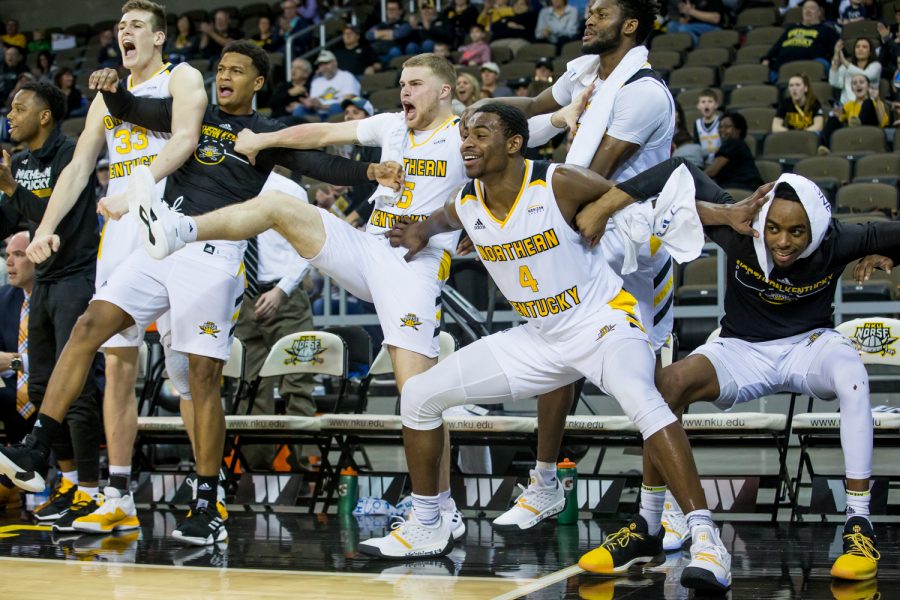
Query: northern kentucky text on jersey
534 244
425 167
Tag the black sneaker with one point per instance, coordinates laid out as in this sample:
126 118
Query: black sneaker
860 558
59 502
82 505
630 546
202 527
25 465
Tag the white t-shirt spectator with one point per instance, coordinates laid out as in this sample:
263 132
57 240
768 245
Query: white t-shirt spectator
331 91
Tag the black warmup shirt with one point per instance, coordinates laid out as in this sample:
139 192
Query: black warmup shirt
215 176
794 300
79 231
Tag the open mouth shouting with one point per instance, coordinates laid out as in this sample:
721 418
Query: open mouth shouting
409 111
129 50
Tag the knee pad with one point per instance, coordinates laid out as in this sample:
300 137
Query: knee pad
177 368
416 405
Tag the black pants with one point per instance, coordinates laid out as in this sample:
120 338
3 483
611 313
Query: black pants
55 306
15 426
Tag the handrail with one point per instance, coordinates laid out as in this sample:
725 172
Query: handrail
323 42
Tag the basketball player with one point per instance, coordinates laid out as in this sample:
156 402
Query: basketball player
777 333
202 285
141 37
639 135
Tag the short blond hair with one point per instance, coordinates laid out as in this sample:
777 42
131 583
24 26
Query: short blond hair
438 65
158 23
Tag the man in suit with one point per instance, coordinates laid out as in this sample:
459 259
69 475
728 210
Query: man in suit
16 410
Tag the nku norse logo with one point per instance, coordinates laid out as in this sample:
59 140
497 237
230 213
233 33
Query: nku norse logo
305 349
410 320
209 328
875 338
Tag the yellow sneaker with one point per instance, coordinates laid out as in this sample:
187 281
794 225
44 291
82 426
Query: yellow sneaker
59 502
630 547
855 590
860 558
117 513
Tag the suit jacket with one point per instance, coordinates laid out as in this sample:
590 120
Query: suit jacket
11 299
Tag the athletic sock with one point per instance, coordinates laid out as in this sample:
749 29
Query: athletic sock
671 503
71 476
652 499
545 473
428 509
120 478
699 518
858 504
90 491
207 488
187 229
46 429
446 501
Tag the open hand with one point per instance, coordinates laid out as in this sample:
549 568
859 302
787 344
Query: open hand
864 268
410 235
742 213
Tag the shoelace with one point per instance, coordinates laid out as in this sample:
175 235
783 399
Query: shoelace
621 537
57 494
83 504
862 546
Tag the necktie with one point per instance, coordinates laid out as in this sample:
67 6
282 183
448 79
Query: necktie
23 405
251 267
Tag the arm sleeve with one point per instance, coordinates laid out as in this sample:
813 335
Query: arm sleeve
541 130
651 182
856 241
153 113
640 109
329 168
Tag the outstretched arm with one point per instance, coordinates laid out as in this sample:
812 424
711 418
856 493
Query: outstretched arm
300 137
334 169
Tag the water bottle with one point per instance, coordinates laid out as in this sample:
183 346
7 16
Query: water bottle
348 491
567 473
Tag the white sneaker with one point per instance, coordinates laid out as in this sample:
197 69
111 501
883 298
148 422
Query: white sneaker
710 566
675 524
157 222
532 506
117 513
457 525
411 539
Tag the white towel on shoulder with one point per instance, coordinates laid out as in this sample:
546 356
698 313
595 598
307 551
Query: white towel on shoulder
673 219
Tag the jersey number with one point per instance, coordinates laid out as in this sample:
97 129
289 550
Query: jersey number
526 280
128 140
406 196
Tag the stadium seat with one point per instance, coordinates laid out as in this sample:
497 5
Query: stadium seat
867 197
691 77
571 50
197 15
397 61
665 59
257 9
828 172
878 168
860 29
699 281
854 142
359 357
788 147
793 16
751 55
513 44
757 18
709 57
811 68
517 69
824 92
861 218
386 100
501 54
879 287
533 52
770 171
73 127
379 81
763 36
679 42
753 95
742 75
759 119
719 38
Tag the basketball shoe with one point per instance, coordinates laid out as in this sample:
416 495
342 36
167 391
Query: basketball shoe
25 464
202 527
455 520
533 505
676 526
860 558
157 222
220 497
117 513
629 547
710 566
411 539
82 505
59 502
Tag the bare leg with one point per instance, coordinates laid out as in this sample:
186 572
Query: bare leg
187 415
120 404
553 408
209 418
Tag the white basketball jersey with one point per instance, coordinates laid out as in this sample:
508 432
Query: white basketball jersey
129 145
433 165
538 261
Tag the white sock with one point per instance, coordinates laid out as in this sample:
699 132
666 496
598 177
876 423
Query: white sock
428 509
671 504
858 504
546 474
90 491
71 476
699 518
652 499
187 229
446 501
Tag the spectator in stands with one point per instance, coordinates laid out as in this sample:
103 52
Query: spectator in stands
184 45
108 56
266 37
428 27
842 70
330 197
684 146
558 24
492 11
389 38
698 17
468 90
75 103
706 127
854 11
520 87
461 16
866 108
353 54
289 20
809 40
442 49
289 95
519 25
733 165
800 109
329 87
490 74
890 49
44 69
218 34
360 209
543 76
14 37
477 51
13 65
39 42
102 173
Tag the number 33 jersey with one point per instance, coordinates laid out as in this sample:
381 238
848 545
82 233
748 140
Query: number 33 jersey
548 275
